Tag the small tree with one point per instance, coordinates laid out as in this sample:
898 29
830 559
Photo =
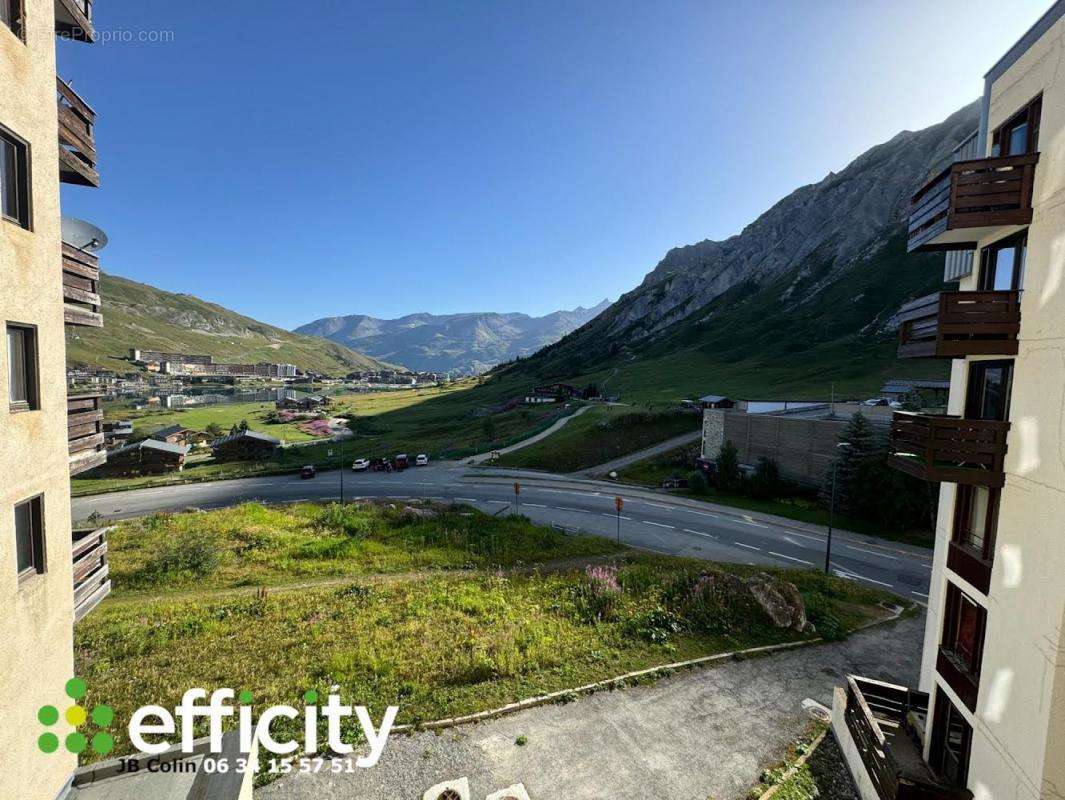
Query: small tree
489 428
765 485
728 467
214 429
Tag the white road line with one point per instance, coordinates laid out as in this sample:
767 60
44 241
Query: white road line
655 505
752 522
844 573
793 558
919 594
658 524
927 567
870 552
700 533
468 499
820 539
702 513
748 546
534 505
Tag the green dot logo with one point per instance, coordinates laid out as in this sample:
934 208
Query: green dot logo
75 716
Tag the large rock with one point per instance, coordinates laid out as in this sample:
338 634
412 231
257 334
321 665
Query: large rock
780 600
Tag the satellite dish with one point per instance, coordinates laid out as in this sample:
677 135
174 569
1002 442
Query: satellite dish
83 235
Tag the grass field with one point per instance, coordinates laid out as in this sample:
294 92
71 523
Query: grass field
225 415
801 505
599 435
440 616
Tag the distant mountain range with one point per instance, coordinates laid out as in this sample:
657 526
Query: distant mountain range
141 316
462 343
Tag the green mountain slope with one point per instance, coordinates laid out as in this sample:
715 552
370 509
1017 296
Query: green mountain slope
138 315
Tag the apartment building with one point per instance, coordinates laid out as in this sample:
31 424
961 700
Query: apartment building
49 575
988 719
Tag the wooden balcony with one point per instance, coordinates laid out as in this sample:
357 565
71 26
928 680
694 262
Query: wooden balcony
941 448
959 324
85 432
886 723
73 20
970 200
92 582
81 288
77 143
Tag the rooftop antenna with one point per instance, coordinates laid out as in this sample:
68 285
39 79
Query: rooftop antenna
83 236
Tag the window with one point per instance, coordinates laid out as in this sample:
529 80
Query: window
1020 133
1002 264
988 395
14 179
963 631
975 520
22 368
29 538
11 16
951 741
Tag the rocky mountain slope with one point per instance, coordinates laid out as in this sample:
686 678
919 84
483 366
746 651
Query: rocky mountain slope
464 343
138 315
802 297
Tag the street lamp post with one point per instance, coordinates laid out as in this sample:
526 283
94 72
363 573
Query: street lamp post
832 509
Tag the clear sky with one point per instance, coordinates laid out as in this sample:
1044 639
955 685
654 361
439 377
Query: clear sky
298 160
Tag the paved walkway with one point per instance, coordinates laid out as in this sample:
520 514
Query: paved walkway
640 455
480 459
704 733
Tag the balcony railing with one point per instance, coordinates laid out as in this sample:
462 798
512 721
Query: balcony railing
970 200
886 723
941 448
92 581
77 143
73 19
959 324
85 432
81 288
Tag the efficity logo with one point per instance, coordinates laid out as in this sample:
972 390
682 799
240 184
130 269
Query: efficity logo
161 724
76 716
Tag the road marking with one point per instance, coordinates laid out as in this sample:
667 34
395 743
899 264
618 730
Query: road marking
574 510
919 594
468 499
658 524
927 567
870 552
701 513
655 505
850 575
748 546
534 505
820 539
747 521
793 558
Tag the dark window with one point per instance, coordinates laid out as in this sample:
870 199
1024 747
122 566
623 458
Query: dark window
14 179
951 740
29 538
963 631
22 368
1020 133
11 16
1002 264
988 395
976 520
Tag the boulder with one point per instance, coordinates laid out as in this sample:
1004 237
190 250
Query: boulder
780 600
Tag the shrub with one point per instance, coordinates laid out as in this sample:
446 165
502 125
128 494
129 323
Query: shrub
715 603
697 482
728 467
191 553
599 594
765 483
654 625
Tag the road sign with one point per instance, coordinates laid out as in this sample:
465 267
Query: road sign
517 488
619 504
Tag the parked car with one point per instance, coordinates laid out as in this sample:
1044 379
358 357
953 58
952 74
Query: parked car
380 465
422 460
308 471
401 462
675 483
360 465
876 401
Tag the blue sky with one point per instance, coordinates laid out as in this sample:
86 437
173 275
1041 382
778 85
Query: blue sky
293 161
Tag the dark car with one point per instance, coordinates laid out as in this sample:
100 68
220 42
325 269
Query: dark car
380 465
308 471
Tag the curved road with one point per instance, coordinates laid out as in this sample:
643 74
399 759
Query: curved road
661 524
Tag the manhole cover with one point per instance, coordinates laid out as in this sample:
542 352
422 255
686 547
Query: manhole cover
449 794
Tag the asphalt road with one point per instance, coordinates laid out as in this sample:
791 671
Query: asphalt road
658 524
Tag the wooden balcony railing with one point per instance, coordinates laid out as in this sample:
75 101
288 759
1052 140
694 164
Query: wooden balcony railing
77 143
959 324
73 20
92 581
81 288
970 200
85 432
941 448
881 720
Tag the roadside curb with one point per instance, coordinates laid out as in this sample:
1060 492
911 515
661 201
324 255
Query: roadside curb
795 767
619 681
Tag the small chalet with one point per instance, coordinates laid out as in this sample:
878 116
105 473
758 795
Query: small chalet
245 446
559 391
716 401
175 434
146 457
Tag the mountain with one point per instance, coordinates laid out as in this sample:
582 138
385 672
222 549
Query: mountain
803 298
138 315
465 343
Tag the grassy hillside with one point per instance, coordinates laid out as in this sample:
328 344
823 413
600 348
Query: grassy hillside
138 315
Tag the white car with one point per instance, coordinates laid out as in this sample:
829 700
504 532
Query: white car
422 460
360 465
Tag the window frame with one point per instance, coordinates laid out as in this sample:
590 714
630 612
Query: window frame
17 26
23 179
963 520
31 368
952 620
1030 113
944 715
1017 242
39 565
975 379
